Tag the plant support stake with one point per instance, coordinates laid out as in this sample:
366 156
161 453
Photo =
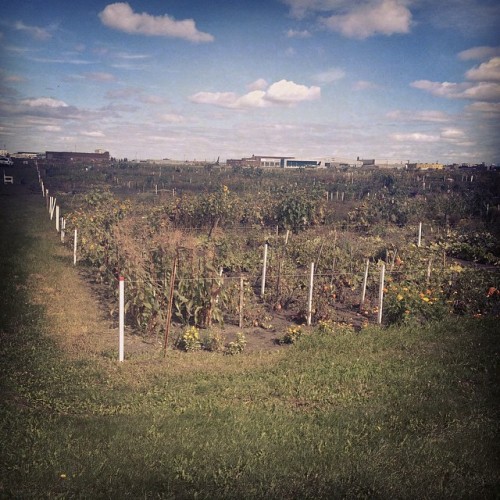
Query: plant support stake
310 297
381 294
121 319
75 239
170 303
264 267
241 302
365 281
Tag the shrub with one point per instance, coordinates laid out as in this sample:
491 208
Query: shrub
238 345
292 334
212 341
189 339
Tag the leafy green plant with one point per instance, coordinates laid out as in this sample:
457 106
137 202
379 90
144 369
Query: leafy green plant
189 339
291 335
212 341
407 302
238 345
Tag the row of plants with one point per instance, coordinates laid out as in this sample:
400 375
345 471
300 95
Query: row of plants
142 243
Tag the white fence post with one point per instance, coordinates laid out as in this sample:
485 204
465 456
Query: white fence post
121 319
57 218
365 281
310 297
419 240
74 246
63 229
381 294
264 268
242 295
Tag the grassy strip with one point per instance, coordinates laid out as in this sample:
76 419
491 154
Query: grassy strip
400 413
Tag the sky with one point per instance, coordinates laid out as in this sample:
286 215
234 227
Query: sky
400 80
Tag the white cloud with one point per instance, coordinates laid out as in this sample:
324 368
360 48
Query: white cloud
287 92
95 133
222 99
51 128
479 53
47 102
483 91
487 72
432 116
172 118
385 17
329 76
453 134
492 108
120 16
259 84
254 99
441 89
282 93
298 34
415 137
34 31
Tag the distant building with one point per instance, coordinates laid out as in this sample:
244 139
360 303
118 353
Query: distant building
275 162
425 166
71 156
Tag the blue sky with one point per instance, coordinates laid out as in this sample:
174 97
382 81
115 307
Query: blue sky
414 80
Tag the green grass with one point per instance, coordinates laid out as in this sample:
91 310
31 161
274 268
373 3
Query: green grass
385 413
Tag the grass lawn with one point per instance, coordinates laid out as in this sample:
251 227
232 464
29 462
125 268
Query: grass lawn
385 413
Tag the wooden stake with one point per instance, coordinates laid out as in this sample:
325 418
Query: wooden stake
170 303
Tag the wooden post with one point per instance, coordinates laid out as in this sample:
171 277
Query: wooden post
310 296
365 281
381 294
419 240
286 236
75 239
121 319
242 294
264 268
170 303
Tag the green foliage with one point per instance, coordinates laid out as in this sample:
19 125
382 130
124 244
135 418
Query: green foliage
291 335
189 339
237 346
407 302
296 212
212 341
